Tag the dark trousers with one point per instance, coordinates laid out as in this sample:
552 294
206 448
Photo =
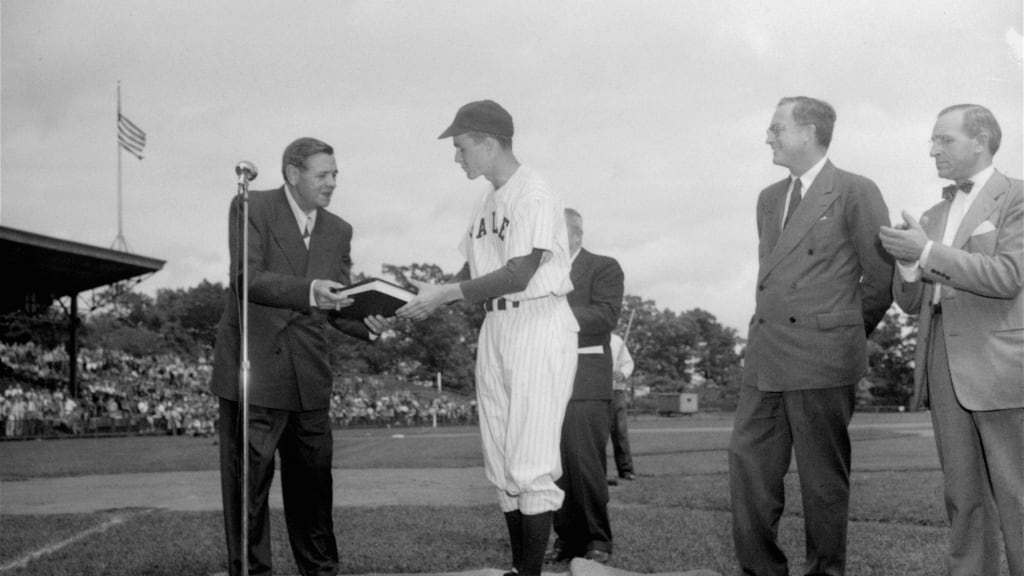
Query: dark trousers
982 457
769 428
582 521
620 433
304 442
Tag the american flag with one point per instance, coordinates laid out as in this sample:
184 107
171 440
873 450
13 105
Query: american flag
130 136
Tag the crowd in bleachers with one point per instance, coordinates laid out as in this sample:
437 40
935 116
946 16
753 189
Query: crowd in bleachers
119 393
168 394
368 404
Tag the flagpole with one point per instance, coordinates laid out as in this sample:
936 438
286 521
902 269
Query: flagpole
119 242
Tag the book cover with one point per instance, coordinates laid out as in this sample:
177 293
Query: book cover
371 297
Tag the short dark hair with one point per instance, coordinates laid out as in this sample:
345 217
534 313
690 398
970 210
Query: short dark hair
813 111
978 120
298 151
478 137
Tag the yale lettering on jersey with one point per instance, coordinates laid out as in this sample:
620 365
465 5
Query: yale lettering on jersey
482 230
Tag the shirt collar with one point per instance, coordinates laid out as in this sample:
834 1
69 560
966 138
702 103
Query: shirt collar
807 178
982 178
979 179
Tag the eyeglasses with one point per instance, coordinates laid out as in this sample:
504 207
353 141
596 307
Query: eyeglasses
778 128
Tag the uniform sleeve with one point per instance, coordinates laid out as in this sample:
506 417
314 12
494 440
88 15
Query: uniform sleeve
533 225
513 277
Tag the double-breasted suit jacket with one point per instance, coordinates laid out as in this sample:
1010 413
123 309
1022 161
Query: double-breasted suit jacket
823 284
982 274
288 350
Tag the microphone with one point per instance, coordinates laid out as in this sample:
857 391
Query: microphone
246 172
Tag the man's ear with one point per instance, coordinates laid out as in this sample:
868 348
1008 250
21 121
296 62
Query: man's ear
982 141
291 174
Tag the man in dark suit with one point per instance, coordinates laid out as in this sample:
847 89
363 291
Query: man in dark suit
962 269
581 525
297 253
823 284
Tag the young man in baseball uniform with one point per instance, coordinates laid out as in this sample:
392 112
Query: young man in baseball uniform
517 266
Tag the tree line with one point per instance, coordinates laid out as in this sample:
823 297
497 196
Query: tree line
672 350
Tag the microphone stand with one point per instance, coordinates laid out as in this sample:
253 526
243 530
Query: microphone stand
243 193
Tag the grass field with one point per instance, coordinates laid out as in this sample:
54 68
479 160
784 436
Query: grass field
674 518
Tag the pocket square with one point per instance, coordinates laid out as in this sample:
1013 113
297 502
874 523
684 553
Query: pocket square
983 228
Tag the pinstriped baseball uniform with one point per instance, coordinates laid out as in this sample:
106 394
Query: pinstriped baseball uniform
526 359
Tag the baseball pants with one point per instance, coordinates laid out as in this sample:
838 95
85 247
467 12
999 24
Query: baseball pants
526 363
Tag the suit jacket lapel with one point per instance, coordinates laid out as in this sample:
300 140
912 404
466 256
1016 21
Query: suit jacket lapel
324 236
981 208
817 200
286 231
771 223
579 269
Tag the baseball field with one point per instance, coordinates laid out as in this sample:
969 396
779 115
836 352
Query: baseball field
414 500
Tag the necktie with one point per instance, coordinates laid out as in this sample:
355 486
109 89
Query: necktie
306 230
794 201
950 191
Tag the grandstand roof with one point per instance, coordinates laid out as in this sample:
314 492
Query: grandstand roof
38 269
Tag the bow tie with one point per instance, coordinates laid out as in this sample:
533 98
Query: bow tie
950 191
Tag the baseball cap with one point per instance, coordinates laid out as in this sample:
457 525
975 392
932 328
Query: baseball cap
486 116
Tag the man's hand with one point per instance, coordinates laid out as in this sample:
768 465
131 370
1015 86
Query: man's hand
904 241
326 299
429 298
378 324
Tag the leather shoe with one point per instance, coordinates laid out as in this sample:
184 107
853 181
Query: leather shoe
613 481
628 476
599 556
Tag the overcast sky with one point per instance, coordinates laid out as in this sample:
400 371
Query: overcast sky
649 117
